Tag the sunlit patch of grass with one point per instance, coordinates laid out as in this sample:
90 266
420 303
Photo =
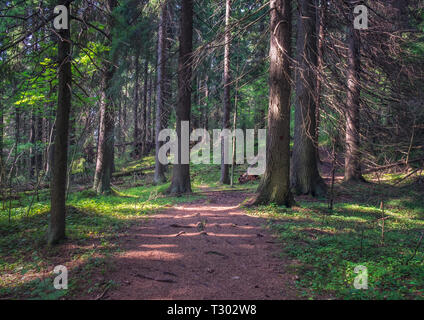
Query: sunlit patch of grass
326 246
208 175
146 162
90 220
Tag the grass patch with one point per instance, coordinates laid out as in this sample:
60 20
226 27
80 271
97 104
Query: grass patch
327 246
93 226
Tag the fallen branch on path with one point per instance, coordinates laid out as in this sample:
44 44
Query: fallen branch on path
158 280
180 226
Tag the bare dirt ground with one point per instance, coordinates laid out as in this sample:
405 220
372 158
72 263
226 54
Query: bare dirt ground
207 249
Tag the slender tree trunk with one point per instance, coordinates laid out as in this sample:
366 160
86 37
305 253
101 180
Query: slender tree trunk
149 113
72 129
18 135
32 149
305 177
320 27
275 186
2 170
160 94
51 138
205 105
119 123
225 177
124 117
39 140
195 99
104 164
181 172
136 105
144 110
152 111
60 158
353 156
104 161
263 55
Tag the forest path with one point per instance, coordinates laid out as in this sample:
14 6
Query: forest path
206 249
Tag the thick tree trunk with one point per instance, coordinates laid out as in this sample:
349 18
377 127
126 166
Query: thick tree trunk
104 164
275 186
353 156
225 177
60 158
181 172
305 177
160 90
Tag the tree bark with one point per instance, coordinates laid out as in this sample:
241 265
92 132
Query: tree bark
119 134
181 172
124 117
144 110
136 136
18 136
320 28
104 161
149 112
275 186
60 158
32 149
206 103
225 177
305 177
39 139
104 164
353 156
2 171
159 176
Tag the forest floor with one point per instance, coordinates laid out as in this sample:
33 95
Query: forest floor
139 243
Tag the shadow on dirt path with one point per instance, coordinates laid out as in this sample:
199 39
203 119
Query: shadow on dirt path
207 249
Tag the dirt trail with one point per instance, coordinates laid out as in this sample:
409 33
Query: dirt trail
207 249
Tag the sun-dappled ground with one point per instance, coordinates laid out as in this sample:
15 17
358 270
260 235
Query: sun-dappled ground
318 248
326 245
206 249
